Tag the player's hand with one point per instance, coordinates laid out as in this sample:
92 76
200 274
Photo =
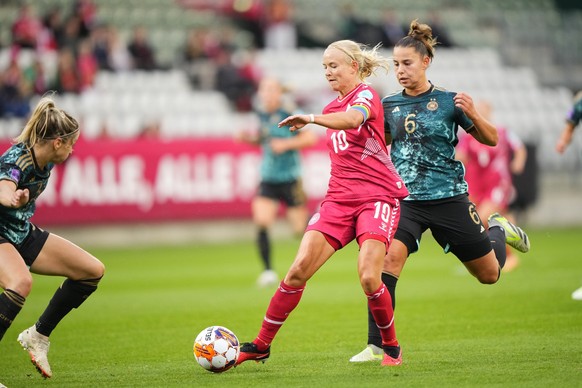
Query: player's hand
295 122
465 102
20 198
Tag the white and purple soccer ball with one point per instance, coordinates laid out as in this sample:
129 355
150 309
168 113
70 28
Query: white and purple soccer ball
216 349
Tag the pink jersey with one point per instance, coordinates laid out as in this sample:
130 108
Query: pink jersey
487 169
360 162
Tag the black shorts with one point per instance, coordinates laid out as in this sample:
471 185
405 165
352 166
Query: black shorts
454 224
290 193
32 244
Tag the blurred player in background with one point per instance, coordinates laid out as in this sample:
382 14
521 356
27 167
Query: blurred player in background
488 172
572 121
280 171
362 200
47 139
422 121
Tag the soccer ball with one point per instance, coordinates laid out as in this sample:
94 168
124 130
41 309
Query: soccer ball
216 349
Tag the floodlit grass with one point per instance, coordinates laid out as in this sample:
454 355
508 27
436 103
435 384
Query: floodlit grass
138 328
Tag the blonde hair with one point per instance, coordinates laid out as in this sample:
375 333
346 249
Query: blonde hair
47 122
368 60
420 37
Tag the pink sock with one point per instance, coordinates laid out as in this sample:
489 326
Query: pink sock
380 304
286 298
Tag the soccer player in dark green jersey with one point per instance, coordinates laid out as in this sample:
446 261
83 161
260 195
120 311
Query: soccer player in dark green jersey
280 171
422 122
572 121
47 139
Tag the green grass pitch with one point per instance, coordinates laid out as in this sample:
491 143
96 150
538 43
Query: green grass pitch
138 328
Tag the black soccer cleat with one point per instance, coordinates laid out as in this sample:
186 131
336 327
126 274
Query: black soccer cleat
249 351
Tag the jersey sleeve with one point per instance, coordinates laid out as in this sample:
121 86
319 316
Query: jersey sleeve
10 172
462 119
363 103
575 115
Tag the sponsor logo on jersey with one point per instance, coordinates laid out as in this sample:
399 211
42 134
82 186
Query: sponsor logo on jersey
397 109
15 174
366 94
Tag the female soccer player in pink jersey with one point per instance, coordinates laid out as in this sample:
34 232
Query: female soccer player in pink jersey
362 200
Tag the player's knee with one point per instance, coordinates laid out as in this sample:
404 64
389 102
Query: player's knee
21 284
95 270
369 282
296 277
488 277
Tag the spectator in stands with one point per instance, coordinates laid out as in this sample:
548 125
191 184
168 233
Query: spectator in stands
67 78
572 121
280 31
87 65
47 139
35 76
280 171
53 23
489 171
248 67
231 81
71 37
200 48
200 45
25 29
248 18
101 46
393 30
14 92
439 30
141 50
109 49
358 28
86 11
118 56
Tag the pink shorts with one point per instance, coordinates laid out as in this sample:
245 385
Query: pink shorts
343 221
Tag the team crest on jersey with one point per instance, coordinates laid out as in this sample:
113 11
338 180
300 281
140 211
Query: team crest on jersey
432 105
314 219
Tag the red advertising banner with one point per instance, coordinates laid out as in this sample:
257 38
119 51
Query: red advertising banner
108 181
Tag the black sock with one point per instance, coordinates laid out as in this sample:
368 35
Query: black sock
10 305
392 351
497 237
390 281
265 248
374 336
69 295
